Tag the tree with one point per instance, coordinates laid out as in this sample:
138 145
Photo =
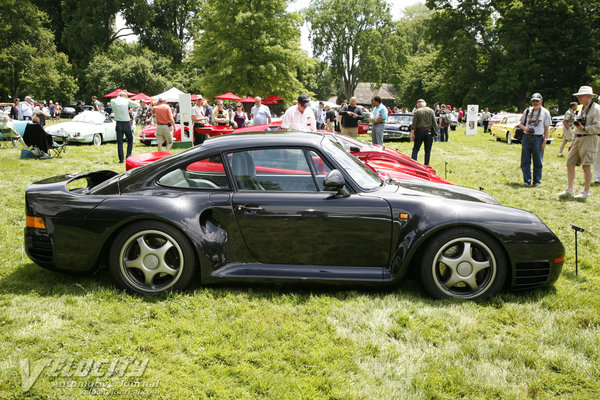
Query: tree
248 47
127 66
165 26
29 62
338 34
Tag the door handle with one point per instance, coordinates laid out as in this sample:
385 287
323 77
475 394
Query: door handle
249 208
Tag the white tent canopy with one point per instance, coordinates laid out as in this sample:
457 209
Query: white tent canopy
314 104
171 95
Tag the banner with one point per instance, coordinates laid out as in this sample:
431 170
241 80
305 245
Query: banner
472 119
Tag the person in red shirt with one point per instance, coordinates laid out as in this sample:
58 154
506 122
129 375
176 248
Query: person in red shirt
165 124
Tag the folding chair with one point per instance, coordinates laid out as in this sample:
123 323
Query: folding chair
6 137
56 150
35 135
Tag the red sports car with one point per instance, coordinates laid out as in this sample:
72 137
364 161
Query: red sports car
386 162
148 134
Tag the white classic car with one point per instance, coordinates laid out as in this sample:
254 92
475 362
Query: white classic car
87 127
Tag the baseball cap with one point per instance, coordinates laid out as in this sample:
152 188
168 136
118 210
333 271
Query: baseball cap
304 100
536 96
161 99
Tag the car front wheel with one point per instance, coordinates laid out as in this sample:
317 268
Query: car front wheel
463 263
508 138
495 138
97 140
151 258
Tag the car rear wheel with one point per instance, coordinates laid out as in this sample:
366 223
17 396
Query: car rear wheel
463 263
508 138
151 258
97 140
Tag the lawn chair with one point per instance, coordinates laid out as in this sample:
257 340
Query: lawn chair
6 138
35 135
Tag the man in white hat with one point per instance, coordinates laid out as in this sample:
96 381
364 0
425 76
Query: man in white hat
585 143
535 123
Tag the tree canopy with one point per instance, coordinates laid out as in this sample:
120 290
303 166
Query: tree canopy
29 62
340 32
248 47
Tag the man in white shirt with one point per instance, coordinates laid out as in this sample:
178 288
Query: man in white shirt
26 111
260 113
300 117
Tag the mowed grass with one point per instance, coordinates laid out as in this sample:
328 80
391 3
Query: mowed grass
301 343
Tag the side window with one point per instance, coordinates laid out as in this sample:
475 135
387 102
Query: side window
272 169
321 168
208 173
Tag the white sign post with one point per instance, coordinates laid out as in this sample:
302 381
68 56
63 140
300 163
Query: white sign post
472 110
185 115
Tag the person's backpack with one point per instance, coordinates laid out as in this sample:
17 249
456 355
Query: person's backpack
446 120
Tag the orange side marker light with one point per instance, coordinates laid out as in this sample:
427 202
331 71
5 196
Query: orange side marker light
35 222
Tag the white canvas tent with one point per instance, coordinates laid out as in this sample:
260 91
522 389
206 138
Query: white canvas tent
171 95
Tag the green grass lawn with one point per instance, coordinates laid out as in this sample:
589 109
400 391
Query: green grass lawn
288 343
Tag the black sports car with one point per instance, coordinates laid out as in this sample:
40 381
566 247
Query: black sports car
283 207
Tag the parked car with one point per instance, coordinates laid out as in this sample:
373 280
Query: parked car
505 130
87 127
283 207
496 118
388 162
557 120
148 134
397 126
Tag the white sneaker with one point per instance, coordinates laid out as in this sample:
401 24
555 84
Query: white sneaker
560 155
565 193
582 196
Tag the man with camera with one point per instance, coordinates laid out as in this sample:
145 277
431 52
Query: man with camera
535 123
585 142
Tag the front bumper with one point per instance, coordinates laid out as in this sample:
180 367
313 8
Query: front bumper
393 134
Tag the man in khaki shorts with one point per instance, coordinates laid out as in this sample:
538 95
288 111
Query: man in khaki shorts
164 124
585 142
351 115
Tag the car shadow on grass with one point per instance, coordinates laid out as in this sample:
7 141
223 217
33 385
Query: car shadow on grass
33 279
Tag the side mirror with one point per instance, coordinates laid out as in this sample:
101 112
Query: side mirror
354 149
335 181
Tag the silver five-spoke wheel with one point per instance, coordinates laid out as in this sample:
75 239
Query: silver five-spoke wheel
151 257
463 263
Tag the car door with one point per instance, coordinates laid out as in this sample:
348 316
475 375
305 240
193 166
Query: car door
286 217
110 133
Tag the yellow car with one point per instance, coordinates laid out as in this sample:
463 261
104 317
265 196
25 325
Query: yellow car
505 130
557 131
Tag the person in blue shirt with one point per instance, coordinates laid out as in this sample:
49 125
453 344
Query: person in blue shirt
378 118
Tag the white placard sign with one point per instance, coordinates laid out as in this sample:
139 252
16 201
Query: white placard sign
185 115
472 110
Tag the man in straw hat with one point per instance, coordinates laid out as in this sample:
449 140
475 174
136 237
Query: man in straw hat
585 143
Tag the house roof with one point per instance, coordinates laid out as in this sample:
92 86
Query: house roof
365 91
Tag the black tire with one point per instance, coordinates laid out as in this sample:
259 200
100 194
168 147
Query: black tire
165 263
495 138
509 139
450 262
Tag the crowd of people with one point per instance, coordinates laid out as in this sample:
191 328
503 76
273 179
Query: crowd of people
581 129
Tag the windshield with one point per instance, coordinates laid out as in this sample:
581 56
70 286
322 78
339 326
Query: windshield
91 117
400 119
347 142
364 177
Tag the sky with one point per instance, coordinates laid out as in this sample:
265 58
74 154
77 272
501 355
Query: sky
397 8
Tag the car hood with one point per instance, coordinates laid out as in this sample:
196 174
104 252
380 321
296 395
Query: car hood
440 190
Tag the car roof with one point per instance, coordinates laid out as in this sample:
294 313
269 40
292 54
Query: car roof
254 139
